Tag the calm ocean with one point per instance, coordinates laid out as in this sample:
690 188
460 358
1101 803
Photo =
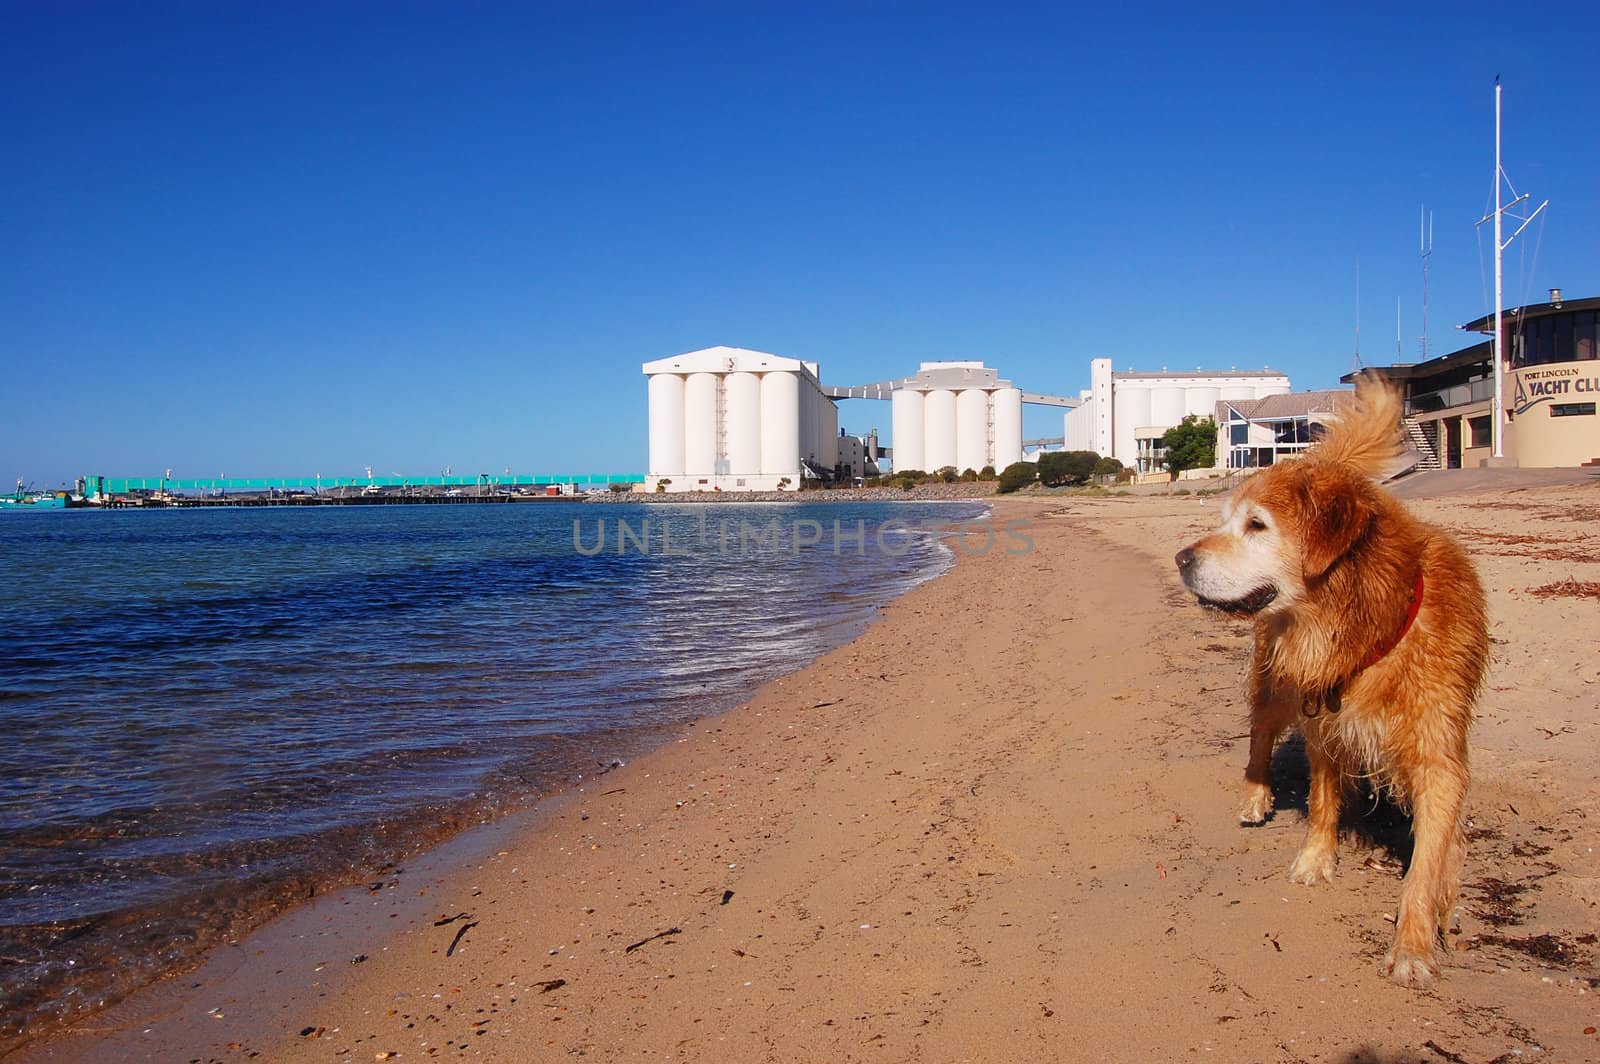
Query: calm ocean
208 714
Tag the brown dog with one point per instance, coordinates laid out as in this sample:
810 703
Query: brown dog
1371 635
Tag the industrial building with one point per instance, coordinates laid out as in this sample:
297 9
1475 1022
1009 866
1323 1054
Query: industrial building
1124 412
955 414
728 419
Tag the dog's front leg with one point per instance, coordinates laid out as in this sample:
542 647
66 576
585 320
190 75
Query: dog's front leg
1319 853
1270 713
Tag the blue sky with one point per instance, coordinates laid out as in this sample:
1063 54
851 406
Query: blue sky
271 238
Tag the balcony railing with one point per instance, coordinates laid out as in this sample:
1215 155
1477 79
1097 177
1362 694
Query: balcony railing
1444 398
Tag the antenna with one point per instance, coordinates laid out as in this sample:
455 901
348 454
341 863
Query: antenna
1355 363
1425 238
1499 213
1398 357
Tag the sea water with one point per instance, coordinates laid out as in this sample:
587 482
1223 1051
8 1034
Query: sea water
208 715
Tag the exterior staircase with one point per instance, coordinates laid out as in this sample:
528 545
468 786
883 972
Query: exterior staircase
1428 458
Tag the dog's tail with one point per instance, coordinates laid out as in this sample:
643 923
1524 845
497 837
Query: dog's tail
1365 433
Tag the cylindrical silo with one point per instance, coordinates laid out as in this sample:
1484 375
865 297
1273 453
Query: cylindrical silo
666 426
1166 406
1275 388
1130 410
939 429
742 394
1201 401
906 425
972 429
700 425
780 424
1238 391
1008 427
828 425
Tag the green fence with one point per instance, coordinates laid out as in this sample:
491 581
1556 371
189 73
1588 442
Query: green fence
124 485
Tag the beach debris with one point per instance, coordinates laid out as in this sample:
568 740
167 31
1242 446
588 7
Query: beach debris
827 702
1440 1050
1273 938
659 934
359 958
1161 870
727 896
451 919
459 936
548 985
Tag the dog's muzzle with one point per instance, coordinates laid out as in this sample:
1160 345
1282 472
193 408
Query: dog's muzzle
1254 602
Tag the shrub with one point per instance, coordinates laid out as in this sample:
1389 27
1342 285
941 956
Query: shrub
969 475
620 489
1107 467
987 473
1017 475
1066 467
948 474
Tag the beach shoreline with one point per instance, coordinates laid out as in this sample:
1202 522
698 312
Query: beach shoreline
1001 817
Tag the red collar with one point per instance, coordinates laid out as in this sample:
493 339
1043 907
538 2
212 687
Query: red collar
1411 615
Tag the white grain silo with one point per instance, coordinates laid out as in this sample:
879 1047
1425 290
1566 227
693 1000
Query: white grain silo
730 419
700 424
742 426
1166 405
1007 428
666 426
972 429
939 425
780 425
1201 401
907 426
1130 410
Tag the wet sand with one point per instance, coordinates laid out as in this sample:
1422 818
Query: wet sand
998 826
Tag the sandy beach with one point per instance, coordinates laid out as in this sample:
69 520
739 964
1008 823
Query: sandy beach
999 826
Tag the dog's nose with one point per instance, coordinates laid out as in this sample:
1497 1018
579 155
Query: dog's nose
1185 559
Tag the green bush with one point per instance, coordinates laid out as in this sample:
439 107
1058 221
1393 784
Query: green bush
1191 444
1066 467
1107 467
1017 475
987 473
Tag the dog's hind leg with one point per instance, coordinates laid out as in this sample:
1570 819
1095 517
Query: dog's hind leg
1319 853
1433 879
1271 712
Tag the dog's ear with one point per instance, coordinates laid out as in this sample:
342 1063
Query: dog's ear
1337 514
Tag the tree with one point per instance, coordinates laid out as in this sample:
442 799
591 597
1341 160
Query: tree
1107 467
1017 475
1191 444
1066 467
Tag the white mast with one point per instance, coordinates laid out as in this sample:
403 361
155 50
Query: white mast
1425 236
1498 421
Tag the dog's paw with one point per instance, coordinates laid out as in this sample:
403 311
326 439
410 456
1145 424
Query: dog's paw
1257 806
1415 970
1312 867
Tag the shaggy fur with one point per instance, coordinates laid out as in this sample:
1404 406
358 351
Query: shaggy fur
1327 563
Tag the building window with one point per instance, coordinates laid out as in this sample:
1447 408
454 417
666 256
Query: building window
1571 409
1479 431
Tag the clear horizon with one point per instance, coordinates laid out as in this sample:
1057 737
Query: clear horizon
281 240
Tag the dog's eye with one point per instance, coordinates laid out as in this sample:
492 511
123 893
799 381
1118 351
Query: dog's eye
1255 524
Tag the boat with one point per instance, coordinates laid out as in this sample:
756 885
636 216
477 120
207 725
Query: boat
33 500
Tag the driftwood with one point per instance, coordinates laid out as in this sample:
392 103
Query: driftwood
652 938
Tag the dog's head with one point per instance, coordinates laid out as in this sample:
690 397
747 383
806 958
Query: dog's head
1282 531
